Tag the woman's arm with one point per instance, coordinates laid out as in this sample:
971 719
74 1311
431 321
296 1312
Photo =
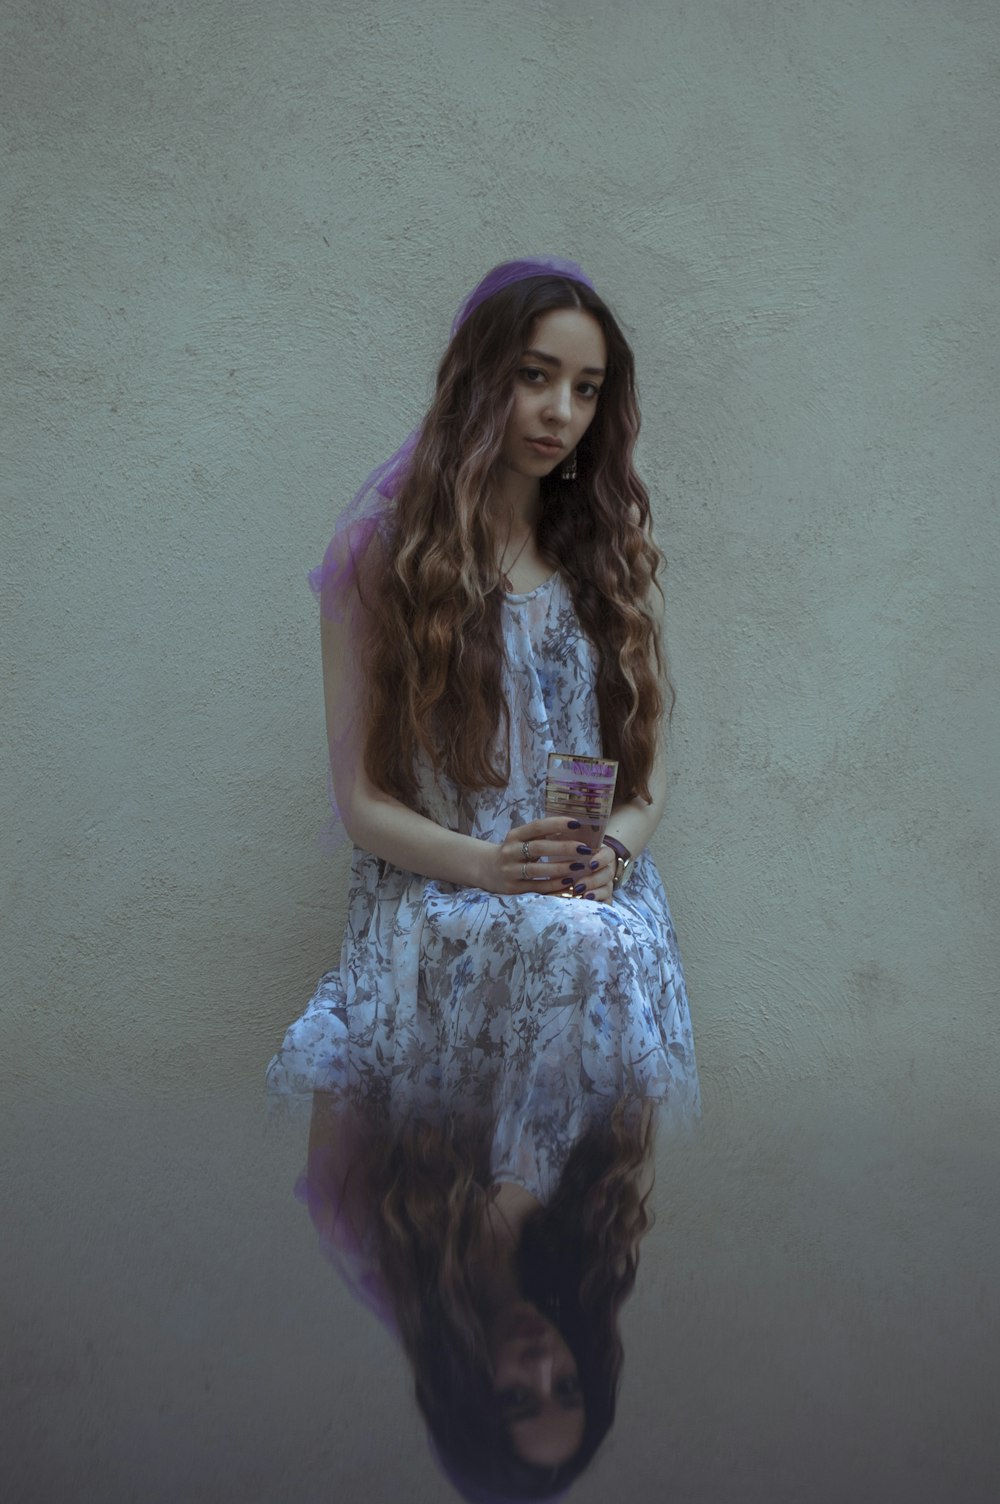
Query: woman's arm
375 820
383 825
634 821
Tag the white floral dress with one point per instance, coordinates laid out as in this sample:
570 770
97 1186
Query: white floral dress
538 1010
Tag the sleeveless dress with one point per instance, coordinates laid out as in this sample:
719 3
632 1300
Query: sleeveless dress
535 1010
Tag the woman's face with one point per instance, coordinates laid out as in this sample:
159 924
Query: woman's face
555 391
536 1383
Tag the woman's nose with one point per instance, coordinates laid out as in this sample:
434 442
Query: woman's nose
542 1371
560 405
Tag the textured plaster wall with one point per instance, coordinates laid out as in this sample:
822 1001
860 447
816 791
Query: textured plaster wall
234 235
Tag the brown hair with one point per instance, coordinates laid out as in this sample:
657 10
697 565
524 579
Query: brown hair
434 647
424 1186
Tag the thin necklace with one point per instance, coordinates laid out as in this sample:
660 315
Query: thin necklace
505 573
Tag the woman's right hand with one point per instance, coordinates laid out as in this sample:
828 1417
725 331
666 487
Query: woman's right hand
569 863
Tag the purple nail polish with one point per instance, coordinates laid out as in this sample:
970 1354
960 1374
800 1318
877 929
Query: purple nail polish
579 887
574 824
593 865
576 866
585 851
590 895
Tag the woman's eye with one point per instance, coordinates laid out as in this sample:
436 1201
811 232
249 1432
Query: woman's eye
569 1389
535 376
516 1404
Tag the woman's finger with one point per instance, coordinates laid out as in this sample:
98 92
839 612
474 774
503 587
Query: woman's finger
574 864
557 851
570 847
549 857
552 828
602 879
542 877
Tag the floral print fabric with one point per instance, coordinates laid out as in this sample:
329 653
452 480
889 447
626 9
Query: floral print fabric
535 1010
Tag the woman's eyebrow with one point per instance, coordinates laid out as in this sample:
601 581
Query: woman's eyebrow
553 360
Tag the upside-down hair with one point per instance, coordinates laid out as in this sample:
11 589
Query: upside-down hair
424 1186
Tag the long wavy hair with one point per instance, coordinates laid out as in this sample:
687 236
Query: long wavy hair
434 650
426 1189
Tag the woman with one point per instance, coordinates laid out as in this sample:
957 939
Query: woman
489 597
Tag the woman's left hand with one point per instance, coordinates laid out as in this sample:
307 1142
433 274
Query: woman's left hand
601 876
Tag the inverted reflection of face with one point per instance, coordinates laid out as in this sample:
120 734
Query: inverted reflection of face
537 1385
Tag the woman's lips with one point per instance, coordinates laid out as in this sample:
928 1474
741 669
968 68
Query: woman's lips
546 446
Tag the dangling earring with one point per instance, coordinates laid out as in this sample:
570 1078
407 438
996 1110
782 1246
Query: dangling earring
568 471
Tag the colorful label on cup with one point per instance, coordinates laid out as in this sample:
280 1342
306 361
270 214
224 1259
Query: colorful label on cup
581 788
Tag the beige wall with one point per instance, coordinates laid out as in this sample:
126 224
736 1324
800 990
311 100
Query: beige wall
234 237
